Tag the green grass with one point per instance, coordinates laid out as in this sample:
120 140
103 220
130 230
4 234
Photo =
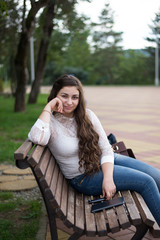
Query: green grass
6 195
14 127
19 219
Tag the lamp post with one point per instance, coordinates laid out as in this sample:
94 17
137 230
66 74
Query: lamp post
157 63
32 59
157 54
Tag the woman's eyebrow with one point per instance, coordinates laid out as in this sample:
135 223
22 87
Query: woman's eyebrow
76 94
63 93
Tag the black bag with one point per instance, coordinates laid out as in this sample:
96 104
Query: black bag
112 139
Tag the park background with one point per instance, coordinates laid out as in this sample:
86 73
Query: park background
121 85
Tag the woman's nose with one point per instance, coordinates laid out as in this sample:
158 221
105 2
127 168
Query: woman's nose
69 101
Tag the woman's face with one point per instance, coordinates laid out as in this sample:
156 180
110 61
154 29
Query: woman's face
70 99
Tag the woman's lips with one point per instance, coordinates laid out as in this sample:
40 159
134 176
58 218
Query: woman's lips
67 107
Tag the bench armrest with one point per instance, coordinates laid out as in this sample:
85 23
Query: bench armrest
23 150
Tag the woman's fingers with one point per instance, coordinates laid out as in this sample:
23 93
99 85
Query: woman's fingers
56 105
109 192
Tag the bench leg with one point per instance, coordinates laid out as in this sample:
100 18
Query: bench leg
51 215
75 236
140 232
53 227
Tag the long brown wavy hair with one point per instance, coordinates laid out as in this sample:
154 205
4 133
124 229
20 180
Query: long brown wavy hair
89 150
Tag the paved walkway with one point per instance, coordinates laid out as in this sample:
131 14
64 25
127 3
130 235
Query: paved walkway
132 114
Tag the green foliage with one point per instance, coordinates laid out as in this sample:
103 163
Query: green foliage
155 30
3 8
14 127
78 72
69 51
91 51
9 35
133 69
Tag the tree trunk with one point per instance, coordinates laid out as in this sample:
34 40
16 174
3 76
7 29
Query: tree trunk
22 54
42 54
21 73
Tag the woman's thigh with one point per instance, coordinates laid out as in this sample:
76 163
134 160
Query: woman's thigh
124 178
121 160
88 184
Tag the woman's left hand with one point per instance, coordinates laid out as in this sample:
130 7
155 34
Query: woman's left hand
108 188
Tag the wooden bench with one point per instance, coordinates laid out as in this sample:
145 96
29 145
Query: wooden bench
62 201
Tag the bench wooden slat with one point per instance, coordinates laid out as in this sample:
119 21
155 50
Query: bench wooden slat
64 199
90 219
50 192
101 223
70 207
131 207
41 168
122 215
143 209
23 150
79 212
50 169
58 194
112 220
46 180
35 156
59 188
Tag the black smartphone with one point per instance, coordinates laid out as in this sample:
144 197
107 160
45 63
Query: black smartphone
107 204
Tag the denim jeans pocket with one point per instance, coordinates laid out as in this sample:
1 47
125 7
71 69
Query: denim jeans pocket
77 180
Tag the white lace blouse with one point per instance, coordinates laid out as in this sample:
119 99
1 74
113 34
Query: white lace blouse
61 137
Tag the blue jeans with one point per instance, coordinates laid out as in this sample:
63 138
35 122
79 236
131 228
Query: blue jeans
129 174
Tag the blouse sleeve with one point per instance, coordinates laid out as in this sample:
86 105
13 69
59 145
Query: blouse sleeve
107 152
40 133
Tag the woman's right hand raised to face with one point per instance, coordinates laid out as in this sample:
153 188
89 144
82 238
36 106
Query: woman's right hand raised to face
55 105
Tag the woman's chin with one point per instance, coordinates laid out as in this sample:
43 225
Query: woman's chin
68 113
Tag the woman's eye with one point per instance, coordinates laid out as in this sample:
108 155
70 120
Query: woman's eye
64 96
75 97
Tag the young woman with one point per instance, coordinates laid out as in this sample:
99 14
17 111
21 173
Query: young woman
76 138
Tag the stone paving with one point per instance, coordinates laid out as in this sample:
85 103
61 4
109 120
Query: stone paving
132 114
14 179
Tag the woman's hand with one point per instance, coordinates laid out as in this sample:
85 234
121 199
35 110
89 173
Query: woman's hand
55 105
108 188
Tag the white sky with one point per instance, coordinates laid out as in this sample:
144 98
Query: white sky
131 17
